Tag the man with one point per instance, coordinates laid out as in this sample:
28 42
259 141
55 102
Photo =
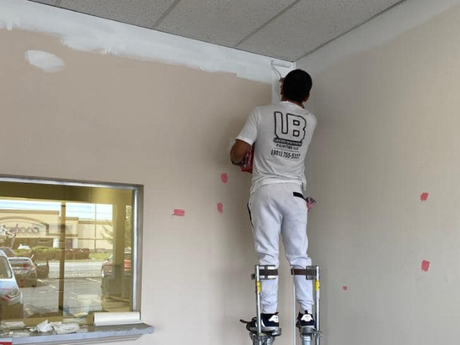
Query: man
280 135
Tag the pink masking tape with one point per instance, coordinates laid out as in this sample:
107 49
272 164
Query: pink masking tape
179 213
425 266
220 207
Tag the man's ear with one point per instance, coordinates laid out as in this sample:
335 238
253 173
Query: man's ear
306 98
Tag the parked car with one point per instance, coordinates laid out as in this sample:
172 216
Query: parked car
107 266
24 270
43 268
8 251
23 246
10 294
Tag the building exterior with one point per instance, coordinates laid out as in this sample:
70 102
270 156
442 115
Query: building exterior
43 228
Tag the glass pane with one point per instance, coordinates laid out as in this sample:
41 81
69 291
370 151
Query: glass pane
65 251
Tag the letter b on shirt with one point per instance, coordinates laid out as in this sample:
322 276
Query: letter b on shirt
289 127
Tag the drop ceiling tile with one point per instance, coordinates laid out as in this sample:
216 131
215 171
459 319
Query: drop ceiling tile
223 22
311 23
137 12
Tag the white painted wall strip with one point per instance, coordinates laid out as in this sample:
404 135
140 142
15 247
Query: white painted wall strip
45 61
91 34
377 32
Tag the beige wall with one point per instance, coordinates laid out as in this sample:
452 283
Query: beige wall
168 128
387 132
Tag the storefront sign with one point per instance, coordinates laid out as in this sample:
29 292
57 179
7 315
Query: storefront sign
22 228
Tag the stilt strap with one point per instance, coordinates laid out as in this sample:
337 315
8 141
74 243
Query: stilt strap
269 272
266 274
309 272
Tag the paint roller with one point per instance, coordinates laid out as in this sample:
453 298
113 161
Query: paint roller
281 64
279 70
276 70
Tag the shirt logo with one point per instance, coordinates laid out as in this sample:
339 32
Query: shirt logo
289 129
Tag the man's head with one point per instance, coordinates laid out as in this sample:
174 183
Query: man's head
296 86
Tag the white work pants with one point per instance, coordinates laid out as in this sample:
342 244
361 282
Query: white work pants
274 210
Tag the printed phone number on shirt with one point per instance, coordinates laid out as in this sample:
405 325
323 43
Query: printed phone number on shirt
285 154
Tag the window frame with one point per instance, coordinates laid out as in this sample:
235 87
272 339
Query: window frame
136 250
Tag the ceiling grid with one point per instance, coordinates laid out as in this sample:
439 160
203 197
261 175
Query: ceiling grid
282 29
266 23
163 16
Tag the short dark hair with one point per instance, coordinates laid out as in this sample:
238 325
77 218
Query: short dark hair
297 85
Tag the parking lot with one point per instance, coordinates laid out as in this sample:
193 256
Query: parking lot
82 290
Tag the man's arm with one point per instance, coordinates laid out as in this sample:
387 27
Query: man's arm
238 151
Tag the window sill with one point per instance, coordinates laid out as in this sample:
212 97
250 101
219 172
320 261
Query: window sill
86 335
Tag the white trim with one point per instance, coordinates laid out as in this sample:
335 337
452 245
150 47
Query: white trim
92 34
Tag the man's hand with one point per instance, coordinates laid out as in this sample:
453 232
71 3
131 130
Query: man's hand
310 202
238 151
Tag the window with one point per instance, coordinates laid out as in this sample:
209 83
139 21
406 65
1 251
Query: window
67 249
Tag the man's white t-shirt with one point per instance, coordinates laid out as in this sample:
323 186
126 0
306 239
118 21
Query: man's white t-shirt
281 135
